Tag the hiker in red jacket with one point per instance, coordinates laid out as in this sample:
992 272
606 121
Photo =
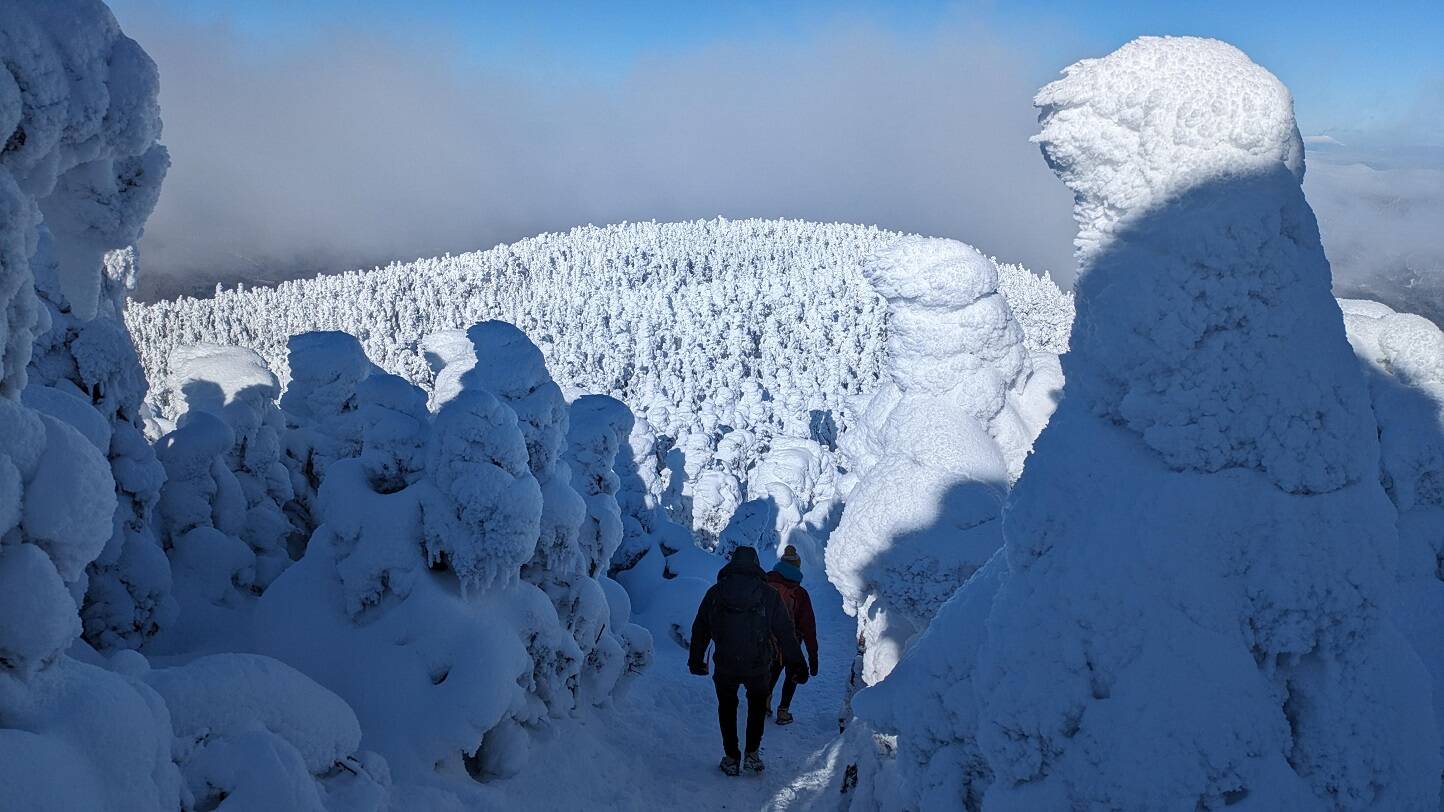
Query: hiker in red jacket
786 578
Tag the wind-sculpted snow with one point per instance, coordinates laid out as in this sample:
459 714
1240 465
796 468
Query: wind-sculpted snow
251 729
1404 354
935 448
234 384
423 598
78 124
1148 647
486 527
1199 354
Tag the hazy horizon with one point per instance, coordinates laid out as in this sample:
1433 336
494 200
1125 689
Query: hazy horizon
310 141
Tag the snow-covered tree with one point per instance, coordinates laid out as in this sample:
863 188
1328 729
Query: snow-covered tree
936 447
598 430
1192 606
319 402
201 517
1405 358
253 732
233 384
79 367
79 122
721 334
404 603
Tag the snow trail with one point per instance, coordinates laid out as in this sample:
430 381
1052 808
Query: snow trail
665 729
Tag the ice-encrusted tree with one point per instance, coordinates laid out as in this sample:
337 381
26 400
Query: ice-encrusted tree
87 369
936 446
79 122
508 365
234 384
722 334
596 438
1404 354
1192 606
319 403
408 602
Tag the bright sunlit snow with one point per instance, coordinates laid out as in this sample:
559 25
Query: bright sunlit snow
435 536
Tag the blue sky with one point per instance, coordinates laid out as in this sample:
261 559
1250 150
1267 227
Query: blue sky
1371 67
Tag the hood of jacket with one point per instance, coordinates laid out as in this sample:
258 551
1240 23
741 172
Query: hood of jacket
744 562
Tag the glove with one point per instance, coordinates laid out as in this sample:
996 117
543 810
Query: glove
700 669
812 666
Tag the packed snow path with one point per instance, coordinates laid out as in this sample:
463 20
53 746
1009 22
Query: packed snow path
658 746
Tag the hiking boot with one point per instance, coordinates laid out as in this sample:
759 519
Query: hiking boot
730 766
784 716
753 762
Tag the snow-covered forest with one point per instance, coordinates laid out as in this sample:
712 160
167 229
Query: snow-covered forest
724 338
433 536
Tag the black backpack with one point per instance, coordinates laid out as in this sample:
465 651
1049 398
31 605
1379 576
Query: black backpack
740 631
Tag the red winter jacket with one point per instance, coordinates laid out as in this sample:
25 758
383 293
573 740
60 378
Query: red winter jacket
799 604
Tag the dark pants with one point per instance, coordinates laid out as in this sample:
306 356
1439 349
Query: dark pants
788 687
757 695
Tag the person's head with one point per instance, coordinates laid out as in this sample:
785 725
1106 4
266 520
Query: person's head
789 566
791 556
745 555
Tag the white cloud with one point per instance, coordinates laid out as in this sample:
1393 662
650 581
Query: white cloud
367 147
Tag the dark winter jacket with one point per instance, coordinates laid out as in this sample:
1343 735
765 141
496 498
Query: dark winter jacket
799 603
740 594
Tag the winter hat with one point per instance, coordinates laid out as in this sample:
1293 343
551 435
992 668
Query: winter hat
790 556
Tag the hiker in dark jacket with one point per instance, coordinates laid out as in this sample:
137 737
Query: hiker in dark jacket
786 578
746 620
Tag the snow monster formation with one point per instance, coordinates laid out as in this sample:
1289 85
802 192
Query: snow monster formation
1404 357
88 370
936 447
1191 609
80 166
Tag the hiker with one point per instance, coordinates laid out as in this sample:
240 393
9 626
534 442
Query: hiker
786 578
751 629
